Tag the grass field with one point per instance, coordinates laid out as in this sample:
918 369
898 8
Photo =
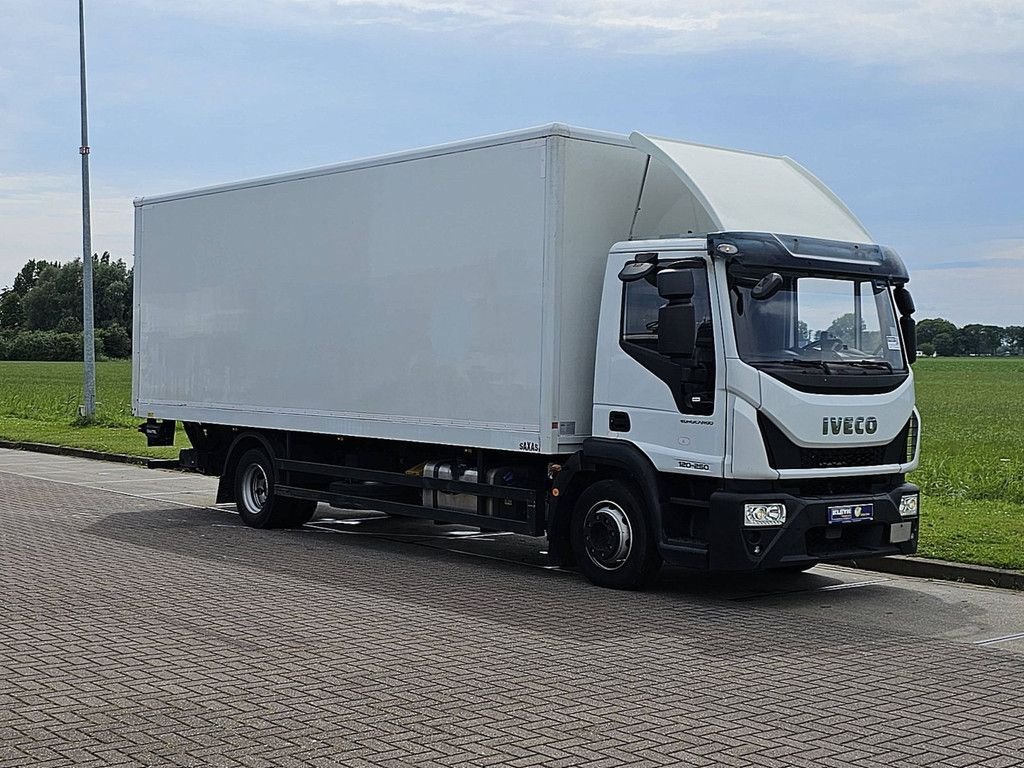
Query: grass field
39 403
972 467
972 459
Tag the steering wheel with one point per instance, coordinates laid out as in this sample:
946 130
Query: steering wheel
834 345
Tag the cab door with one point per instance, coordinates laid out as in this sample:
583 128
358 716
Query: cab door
658 371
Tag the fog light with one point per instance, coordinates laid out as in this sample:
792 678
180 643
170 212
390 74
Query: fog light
909 505
764 515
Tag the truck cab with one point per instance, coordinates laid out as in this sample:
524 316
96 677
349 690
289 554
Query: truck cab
766 379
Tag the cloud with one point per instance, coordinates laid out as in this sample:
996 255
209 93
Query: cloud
1006 252
983 289
931 39
41 218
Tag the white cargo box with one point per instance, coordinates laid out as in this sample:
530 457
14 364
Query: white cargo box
448 295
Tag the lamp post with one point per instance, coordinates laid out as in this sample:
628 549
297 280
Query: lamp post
88 409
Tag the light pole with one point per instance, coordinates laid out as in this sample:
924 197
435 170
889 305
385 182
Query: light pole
89 406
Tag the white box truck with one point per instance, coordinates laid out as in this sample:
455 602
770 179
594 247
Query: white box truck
647 350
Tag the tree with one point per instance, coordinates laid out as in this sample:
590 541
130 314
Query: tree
41 313
977 339
929 328
49 295
116 342
946 344
112 288
1013 337
843 327
41 303
28 275
11 313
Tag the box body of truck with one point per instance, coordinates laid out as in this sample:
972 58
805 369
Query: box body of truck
447 296
645 349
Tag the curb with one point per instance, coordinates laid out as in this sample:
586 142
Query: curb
927 568
85 453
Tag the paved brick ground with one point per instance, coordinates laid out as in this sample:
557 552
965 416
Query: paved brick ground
138 632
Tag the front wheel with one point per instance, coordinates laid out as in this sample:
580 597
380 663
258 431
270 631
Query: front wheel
257 504
611 537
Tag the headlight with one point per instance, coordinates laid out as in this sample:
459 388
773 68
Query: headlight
909 505
764 515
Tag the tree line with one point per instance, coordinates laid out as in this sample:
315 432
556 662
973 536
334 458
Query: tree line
41 312
941 337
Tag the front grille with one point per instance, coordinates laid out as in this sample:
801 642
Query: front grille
822 458
783 453
913 430
857 485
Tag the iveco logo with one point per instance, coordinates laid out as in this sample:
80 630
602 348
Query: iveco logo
849 425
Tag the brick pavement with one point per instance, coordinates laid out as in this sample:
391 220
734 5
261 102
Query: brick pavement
137 632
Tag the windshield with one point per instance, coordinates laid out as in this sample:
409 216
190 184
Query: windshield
843 325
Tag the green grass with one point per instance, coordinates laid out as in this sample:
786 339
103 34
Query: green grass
972 459
39 404
972 454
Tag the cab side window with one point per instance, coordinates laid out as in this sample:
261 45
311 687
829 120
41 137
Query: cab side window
690 377
640 316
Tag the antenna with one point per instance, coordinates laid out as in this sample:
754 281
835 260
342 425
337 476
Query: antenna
639 197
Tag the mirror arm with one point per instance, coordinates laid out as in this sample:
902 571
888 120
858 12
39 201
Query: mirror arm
909 330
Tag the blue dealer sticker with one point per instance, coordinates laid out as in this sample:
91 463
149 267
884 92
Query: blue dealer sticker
851 513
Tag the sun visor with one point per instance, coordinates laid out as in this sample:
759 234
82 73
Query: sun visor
746 192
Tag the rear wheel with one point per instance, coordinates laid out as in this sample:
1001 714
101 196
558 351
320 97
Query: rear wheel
257 504
611 538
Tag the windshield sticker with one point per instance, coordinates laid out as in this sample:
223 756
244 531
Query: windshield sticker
893 342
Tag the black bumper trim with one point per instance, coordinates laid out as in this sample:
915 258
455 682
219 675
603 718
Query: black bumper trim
806 537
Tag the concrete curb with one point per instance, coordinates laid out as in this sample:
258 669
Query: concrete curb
926 568
84 453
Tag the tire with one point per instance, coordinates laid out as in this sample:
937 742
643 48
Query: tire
255 500
611 537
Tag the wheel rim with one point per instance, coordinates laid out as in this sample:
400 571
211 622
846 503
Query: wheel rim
607 535
255 488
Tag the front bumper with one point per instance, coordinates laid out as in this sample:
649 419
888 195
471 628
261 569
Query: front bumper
806 537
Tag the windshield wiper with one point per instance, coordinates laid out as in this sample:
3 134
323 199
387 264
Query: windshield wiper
804 364
884 364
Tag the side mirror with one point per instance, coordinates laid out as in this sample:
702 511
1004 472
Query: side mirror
636 270
909 330
767 286
640 267
904 301
675 284
676 330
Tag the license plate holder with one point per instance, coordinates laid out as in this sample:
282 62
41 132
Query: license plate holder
843 514
900 533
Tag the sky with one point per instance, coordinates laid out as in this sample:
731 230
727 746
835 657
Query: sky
912 111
